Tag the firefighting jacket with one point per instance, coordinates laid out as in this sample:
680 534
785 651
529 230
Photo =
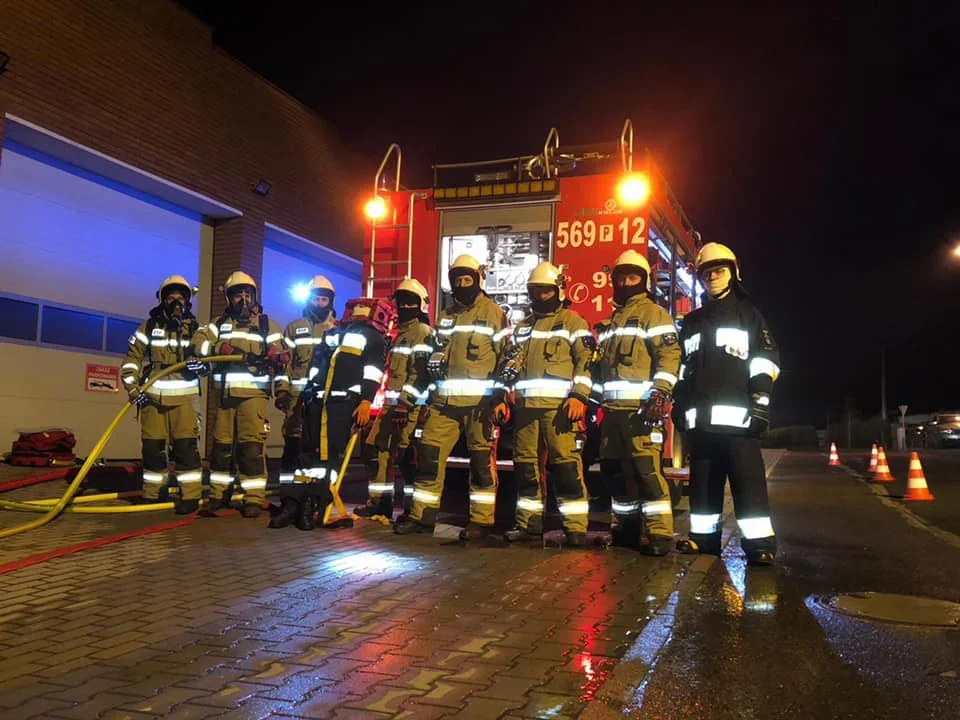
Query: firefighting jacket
348 364
472 338
730 362
155 346
407 364
555 359
301 337
259 338
639 351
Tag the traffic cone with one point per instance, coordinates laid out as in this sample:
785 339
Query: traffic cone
916 481
873 460
883 469
834 457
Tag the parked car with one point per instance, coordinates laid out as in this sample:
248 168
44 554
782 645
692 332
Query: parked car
943 430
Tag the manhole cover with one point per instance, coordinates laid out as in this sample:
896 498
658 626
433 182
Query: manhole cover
885 607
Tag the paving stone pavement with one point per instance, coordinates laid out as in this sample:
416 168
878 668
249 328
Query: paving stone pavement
225 618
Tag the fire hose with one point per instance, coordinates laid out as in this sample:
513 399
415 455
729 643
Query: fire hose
58 506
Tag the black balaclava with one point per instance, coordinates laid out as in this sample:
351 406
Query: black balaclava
621 294
544 307
319 315
465 295
406 314
173 313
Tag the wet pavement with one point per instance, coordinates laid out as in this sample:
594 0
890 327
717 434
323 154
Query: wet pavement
223 618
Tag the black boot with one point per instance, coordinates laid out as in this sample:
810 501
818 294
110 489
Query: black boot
288 511
187 507
406 525
381 506
656 545
251 510
576 539
517 534
761 557
305 514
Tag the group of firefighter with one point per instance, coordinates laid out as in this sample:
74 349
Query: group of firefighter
469 376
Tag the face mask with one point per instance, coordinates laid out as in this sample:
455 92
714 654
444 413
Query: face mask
466 295
621 294
406 314
545 307
718 285
319 314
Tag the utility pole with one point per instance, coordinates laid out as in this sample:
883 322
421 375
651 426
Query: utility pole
883 394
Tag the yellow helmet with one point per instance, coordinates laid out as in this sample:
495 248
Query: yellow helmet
632 258
238 279
714 254
416 287
319 282
468 262
175 281
548 274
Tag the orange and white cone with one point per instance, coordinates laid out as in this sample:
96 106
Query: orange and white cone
883 469
873 460
917 481
834 457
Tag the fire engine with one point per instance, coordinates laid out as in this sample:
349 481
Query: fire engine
578 206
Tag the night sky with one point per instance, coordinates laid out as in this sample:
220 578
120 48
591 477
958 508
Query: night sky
822 145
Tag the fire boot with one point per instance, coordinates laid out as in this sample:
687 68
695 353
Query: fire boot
251 510
306 512
481 535
554 538
408 526
287 514
382 506
576 539
517 534
655 545
187 507
761 557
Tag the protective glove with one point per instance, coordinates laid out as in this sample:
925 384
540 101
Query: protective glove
501 414
656 409
361 416
759 413
138 397
576 409
400 415
437 366
198 367
283 400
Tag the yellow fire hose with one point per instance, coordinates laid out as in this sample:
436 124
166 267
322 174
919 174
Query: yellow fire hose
60 504
47 502
335 487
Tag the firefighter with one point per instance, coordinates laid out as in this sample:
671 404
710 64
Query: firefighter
551 388
394 427
168 408
242 391
730 362
301 337
343 379
639 362
469 337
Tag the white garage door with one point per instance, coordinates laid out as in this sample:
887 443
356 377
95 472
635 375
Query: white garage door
289 261
82 258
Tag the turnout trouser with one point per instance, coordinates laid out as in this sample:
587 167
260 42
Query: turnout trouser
163 426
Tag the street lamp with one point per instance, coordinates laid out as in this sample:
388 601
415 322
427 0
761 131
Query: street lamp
956 250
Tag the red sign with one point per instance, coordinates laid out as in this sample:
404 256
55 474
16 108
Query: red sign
102 378
592 230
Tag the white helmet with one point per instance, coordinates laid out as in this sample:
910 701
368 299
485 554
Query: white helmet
416 287
548 274
238 279
175 281
714 254
319 282
631 258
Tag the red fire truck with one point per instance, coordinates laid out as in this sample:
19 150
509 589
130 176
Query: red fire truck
576 206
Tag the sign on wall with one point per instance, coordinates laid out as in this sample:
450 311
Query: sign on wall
102 378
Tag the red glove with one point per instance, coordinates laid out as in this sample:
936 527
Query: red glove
400 416
657 408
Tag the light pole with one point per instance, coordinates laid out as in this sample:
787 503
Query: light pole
883 394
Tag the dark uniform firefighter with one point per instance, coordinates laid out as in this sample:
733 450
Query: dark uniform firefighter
469 336
723 402
242 390
552 349
168 408
394 427
639 362
344 376
301 337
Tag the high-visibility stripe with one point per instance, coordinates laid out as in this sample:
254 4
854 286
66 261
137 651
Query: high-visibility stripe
657 507
422 349
763 400
426 497
704 524
583 380
308 341
735 340
626 390
483 498
214 328
408 490
576 507
380 487
481 329
129 379
500 335
543 387
313 372
299 382
170 386
254 484
205 347
332 340
683 370
668 377
529 504
130 366
661 330
625 508
464 386
413 391
282 378
141 337
242 335
358 341
402 350
730 416
372 373
190 476
273 337
219 478
692 344
290 343
580 334
691 416
754 528
762 366
286 478
154 478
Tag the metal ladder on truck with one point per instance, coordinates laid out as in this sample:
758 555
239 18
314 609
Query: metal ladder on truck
392 266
